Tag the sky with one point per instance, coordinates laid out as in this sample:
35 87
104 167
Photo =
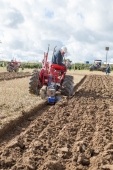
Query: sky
85 27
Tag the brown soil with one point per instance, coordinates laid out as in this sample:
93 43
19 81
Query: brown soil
13 75
74 134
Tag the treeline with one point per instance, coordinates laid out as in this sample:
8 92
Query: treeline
32 65
38 65
24 64
82 66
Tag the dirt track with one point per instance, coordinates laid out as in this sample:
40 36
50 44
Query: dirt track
75 134
13 75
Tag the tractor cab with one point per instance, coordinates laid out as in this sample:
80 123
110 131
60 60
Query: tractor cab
98 63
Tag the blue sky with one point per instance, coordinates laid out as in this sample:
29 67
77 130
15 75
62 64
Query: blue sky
49 14
28 26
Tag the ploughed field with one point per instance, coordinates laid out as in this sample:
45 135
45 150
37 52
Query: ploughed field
73 134
13 75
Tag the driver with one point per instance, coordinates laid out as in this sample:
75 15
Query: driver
58 56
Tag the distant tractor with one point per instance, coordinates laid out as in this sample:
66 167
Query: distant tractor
14 66
97 66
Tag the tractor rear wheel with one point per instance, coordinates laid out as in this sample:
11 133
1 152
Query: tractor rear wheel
67 86
34 83
9 68
16 68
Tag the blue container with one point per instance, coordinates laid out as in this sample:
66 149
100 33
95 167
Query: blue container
51 99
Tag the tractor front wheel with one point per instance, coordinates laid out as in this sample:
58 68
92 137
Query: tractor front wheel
34 83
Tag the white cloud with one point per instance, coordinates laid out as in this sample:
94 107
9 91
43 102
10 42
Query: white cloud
28 26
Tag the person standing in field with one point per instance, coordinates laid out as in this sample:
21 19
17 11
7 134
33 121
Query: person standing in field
108 69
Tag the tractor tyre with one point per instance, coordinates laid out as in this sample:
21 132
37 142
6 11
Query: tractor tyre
16 69
67 86
103 69
9 68
91 69
34 83
22 67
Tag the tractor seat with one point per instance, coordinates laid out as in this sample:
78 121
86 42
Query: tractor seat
58 67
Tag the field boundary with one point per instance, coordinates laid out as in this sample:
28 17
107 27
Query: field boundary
10 76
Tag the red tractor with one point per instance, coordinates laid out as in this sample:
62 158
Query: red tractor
49 79
14 66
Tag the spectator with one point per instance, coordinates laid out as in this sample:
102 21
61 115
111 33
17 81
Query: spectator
108 69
